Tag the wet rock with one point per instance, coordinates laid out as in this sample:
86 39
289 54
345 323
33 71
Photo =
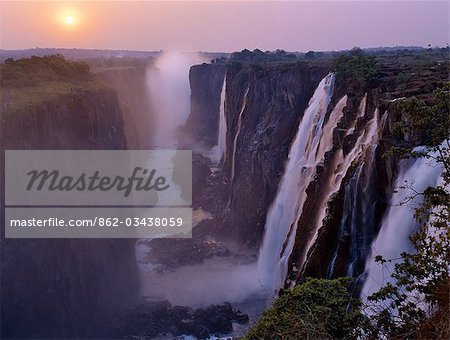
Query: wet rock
150 319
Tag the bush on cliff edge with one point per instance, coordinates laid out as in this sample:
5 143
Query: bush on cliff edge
316 309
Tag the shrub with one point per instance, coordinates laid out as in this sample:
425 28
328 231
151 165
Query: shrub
318 308
356 65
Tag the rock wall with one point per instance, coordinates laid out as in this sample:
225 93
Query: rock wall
65 288
135 103
254 161
263 106
206 86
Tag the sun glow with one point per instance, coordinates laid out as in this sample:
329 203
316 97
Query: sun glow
69 20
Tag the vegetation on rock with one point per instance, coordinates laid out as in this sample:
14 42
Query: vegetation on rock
315 309
357 65
29 82
36 70
416 305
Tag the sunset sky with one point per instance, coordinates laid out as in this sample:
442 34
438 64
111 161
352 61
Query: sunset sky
223 26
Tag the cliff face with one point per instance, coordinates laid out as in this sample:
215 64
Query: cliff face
64 288
346 195
130 83
352 216
262 108
335 231
75 120
206 86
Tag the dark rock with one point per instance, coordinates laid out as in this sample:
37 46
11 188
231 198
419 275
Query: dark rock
277 96
206 86
64 288
149 319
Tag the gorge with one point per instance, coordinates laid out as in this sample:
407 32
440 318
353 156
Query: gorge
290 180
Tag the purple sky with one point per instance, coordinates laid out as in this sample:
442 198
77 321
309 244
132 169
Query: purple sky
223 26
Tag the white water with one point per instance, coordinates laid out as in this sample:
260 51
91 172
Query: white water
349 211
399 223
272 260
367 138
238 132
362 107
361 114
222 136
326 142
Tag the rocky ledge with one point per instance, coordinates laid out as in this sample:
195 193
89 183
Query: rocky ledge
148 320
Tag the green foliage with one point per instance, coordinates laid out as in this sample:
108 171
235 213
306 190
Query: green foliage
423 124
402 80
30 82
427 125
356 66
416 305
316 309
26 72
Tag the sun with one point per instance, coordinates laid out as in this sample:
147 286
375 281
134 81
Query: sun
69 20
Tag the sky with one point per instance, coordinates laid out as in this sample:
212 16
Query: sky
223 26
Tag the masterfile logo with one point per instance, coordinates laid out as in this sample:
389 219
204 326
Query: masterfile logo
59 194
100 178
140 179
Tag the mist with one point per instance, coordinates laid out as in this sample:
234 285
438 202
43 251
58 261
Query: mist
213 282
168 83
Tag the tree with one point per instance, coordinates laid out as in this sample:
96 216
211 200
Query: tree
315 309
356 66
416 304
310 55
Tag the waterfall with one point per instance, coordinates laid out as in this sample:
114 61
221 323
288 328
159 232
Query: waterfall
358 210
222 136
362 107
361 114
399 223
369 136
365 210
239 126
350 212
326 141
299 171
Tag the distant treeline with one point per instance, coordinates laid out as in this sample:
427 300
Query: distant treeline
257 56
33 71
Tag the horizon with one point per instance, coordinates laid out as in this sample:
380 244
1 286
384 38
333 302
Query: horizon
400 47
152 26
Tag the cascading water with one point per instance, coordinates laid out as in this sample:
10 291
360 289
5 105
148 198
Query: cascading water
222 136
350 212
365 210
326 141
399 223
238 132
362 107
358 210
361 114
367 138
282 215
